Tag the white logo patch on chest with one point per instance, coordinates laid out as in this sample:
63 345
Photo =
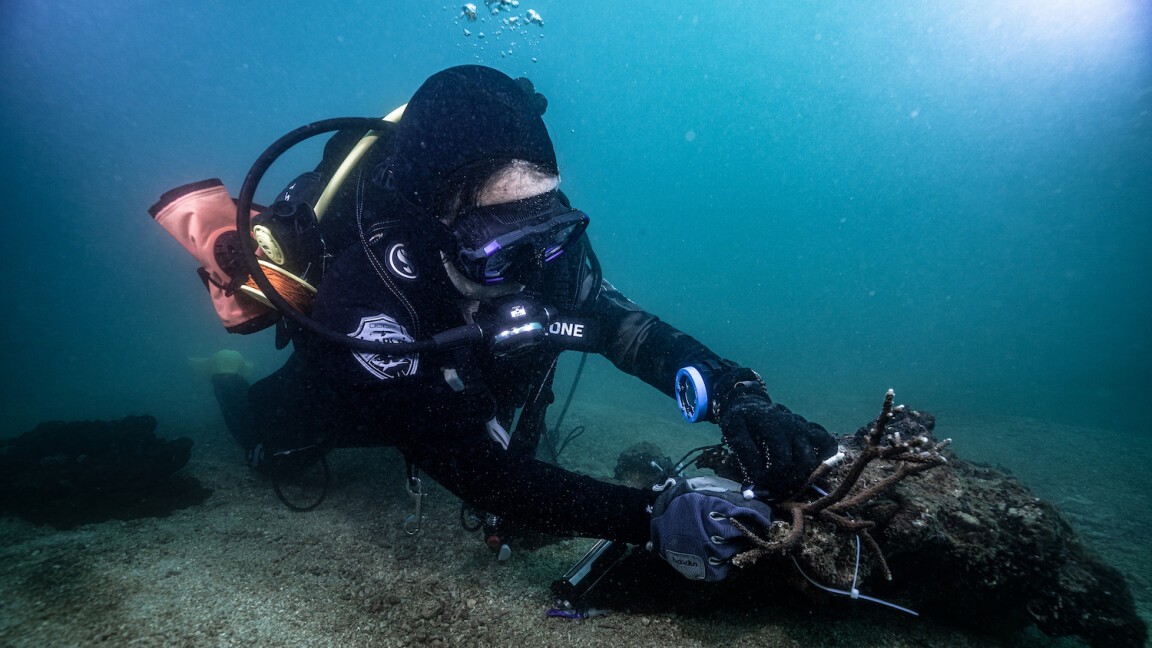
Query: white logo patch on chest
381 328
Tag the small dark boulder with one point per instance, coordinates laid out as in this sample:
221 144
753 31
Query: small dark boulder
634 466
67 473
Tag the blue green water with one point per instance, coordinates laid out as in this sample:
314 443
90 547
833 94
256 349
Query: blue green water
952 199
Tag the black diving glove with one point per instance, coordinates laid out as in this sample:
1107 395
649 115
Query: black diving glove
692 529
776 449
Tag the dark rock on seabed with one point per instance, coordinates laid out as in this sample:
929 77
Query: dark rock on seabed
77 472
965 543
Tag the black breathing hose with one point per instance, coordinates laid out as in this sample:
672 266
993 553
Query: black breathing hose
460 336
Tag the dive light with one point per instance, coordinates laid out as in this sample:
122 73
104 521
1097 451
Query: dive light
516 325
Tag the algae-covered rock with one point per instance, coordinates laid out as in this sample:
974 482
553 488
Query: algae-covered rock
964 543
970 544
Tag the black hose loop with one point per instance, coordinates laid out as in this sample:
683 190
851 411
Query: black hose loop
248 244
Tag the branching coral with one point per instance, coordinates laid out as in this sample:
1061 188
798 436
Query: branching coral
910 456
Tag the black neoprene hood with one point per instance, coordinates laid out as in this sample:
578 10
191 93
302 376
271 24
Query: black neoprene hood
462 116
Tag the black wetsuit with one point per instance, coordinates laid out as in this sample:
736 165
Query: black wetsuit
438 407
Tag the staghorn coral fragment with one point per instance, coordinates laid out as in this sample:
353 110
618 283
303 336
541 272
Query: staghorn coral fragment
911 456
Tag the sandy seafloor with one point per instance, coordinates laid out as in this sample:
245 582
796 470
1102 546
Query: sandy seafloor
242 570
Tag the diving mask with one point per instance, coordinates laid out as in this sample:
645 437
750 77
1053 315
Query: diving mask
498 241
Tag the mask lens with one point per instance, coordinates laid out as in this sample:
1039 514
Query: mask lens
501 243
560 237
499 263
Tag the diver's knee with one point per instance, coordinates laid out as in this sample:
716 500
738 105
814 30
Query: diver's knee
229 385
232 397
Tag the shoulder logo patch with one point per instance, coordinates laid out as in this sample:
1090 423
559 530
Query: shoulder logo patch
381 328
398 263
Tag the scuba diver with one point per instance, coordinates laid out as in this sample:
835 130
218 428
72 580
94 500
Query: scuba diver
452 219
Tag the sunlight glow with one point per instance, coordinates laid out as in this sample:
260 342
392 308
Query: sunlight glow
1066 23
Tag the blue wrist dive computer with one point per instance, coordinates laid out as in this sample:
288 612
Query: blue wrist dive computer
691 394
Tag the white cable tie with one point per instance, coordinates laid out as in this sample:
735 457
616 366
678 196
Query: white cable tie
849 594
856 570
836 458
